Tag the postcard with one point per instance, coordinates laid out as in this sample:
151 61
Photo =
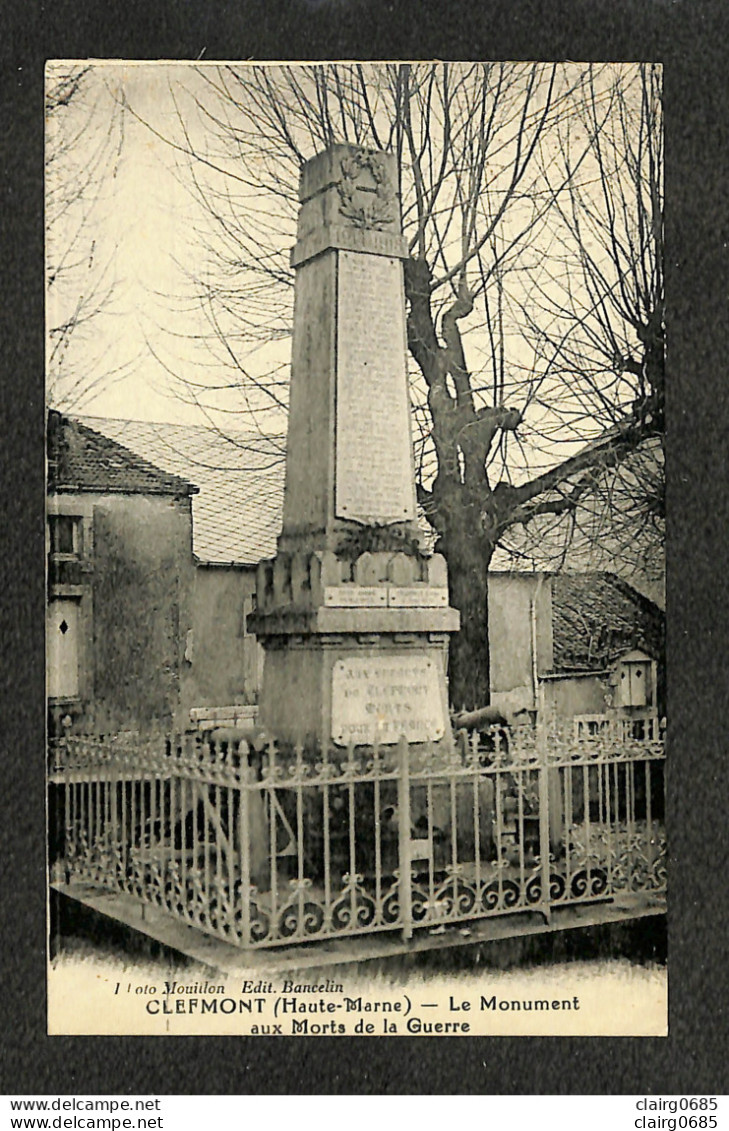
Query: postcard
355 548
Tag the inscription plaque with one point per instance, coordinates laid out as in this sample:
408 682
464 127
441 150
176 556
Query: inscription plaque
381 698
349 596
374 480
380 596
405 597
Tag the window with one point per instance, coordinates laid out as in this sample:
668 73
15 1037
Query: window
65 536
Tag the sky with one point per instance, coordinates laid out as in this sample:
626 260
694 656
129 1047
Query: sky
143 230
141 226
149 219
145 227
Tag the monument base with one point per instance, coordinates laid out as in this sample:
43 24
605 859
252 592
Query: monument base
341 690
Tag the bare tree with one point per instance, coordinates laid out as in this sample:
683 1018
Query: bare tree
530 197
84 137
600 313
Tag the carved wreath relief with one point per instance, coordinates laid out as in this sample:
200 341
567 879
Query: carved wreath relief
366 173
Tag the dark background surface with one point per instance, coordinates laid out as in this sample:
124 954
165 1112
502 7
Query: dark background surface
691 39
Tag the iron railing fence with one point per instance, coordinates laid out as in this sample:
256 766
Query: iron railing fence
282 845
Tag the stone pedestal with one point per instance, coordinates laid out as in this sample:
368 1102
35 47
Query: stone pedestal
353 616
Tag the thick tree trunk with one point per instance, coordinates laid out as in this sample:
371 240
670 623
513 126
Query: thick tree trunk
468 553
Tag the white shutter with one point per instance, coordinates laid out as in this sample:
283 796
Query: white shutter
62 649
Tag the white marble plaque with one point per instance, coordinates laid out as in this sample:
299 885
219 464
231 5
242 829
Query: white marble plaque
355 596
374 481
412 597
380 698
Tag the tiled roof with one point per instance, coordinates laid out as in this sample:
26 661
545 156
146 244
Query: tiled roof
83 459
596 617
237 514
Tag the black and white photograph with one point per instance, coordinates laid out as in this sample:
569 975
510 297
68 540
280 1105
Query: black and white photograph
355 548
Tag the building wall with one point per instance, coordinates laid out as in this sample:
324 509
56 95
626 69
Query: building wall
221 658
143 583
134 586
571 695
153 632
510 637
69 582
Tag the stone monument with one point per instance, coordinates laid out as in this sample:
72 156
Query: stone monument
353 616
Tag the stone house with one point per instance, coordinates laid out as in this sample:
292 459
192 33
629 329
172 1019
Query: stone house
140 631
236 517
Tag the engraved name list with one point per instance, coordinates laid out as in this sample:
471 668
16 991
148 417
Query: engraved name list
374 478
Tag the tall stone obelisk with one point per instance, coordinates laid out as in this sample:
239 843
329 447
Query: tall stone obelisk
354 618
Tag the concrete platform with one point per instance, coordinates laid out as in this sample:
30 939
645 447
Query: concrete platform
192 943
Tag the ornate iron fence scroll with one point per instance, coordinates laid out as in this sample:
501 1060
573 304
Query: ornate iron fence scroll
530 821
285 846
